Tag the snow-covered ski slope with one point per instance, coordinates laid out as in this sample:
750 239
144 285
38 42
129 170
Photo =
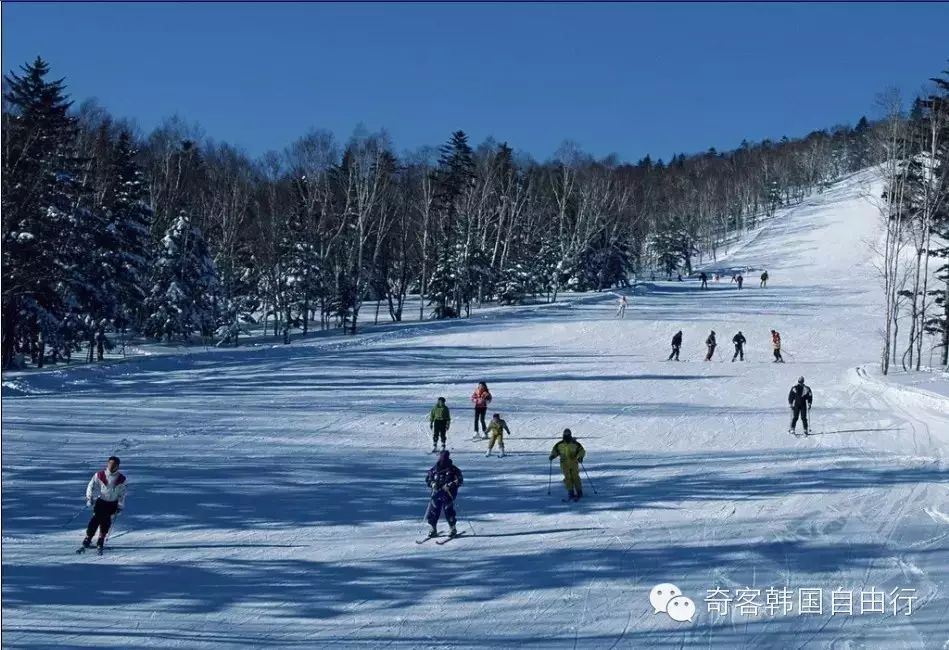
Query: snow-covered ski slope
276 494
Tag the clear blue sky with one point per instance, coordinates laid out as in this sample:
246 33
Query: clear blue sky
631 79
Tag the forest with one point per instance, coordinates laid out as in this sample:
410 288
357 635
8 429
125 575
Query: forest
109 232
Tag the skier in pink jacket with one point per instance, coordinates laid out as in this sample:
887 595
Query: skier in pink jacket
481 398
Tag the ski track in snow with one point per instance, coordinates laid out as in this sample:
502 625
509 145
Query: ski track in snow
276 492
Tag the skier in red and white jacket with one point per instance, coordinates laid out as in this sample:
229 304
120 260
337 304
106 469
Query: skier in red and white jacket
105 494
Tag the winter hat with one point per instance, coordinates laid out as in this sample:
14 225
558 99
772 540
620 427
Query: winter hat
441 399
567 435
800 380
444 458
497 416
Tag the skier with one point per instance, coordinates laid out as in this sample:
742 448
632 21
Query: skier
497 428
439 421
764 280
444 479
571 454
739 341
740 280
704 279
105 494
799 399
676 344
710 342
621 311
776 344
481 398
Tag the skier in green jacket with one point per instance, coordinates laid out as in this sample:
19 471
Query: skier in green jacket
439 421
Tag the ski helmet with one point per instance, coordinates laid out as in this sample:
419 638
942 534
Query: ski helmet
800 380
567 435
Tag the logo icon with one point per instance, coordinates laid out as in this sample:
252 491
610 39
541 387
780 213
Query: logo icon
668 598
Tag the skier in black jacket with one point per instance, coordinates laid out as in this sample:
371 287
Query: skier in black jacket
800 399
710 342
676 344
444 479
739 341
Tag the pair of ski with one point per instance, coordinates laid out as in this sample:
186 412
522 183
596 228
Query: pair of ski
440 542
799 435
100 550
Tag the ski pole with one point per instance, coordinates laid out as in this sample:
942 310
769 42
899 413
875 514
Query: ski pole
550 475
111 528
467 521
75 515
588 478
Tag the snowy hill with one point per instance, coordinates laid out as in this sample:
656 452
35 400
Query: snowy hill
276 494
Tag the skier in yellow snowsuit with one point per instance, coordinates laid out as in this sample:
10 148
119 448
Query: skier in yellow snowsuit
571 454
497 429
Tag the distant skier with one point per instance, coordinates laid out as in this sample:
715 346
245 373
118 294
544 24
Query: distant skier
704 279
764 280
439 421
571 454
105 494
444 479
710 342
676 345
481 398
776 344
497 429
800 399
740 280
621 311
739 341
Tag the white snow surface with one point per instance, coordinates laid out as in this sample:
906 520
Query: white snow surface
276 493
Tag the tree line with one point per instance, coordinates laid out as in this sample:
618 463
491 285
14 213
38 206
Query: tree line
173 236
915 209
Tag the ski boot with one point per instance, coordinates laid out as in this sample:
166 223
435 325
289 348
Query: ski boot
432 531
435 448
501 455
487 453
453 532
87 542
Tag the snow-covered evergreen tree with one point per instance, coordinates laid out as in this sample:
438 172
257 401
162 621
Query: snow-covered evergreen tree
45 231
182 299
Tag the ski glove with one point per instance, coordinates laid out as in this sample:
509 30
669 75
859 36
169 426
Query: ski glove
88 503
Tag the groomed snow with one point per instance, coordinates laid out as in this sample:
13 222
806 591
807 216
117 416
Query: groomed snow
276 493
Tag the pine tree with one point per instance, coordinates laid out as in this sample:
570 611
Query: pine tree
442 286
129 224
182 297
44 230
